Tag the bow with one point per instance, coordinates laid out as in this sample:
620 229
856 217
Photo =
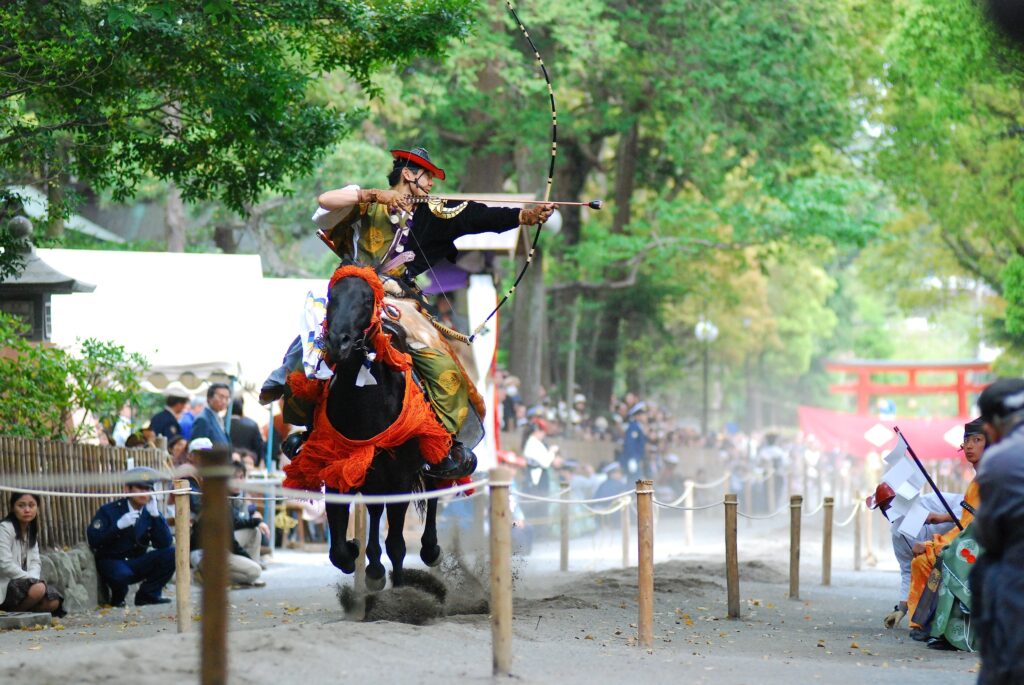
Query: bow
551 170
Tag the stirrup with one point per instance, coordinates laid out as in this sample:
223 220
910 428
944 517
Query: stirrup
458 463
291 445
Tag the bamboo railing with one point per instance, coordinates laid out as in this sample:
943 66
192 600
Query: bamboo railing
63 520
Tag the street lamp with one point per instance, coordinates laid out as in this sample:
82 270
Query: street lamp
706 332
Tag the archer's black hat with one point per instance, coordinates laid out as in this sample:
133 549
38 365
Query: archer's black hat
419 157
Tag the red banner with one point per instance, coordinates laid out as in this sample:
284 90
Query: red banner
932 439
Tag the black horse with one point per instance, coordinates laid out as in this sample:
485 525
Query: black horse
359 413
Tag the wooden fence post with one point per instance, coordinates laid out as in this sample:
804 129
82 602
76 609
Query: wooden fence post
869 533
826 543
625 536
795 506
645 562
563 524
501 571
479 535
359 533
748 496
182 564
216 536
856 533
688 499
732 568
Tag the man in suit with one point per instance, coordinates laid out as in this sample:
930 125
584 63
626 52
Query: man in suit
209 424
121 534
244 431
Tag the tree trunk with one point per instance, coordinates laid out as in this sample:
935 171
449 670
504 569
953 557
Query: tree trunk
570 177
526 352
174 219
56 180
606 355
607 346
55 202
625 176
570 356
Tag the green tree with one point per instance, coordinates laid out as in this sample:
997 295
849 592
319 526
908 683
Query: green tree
47 388
953 132
212 96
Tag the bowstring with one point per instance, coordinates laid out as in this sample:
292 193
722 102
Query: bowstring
551 171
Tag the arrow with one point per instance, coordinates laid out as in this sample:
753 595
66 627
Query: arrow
593 204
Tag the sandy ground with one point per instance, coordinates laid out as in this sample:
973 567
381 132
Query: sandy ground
575 627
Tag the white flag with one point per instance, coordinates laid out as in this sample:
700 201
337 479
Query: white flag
898 452
914 520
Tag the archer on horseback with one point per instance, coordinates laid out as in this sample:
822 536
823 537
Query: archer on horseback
402 236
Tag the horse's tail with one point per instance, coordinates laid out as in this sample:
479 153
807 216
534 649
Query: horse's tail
419 485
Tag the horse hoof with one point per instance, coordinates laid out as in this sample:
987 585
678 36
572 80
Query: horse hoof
431 556
345 558
375 584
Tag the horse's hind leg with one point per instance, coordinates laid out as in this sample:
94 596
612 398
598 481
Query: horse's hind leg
374 569
395 541
343 553
430 551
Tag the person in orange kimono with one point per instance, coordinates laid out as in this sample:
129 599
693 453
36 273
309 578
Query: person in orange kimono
925 553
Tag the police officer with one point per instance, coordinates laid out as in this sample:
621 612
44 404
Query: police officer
120 536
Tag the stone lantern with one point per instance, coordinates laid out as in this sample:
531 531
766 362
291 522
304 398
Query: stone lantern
27 295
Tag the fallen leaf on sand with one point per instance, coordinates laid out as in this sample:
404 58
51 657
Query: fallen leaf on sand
854 645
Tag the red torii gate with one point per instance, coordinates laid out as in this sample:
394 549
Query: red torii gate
865 388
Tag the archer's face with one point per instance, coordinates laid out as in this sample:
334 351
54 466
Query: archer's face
420 182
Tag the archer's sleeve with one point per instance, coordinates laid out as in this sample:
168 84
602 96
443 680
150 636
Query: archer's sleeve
479 218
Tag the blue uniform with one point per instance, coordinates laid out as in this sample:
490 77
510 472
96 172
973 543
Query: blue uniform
634 446
165 424
121 554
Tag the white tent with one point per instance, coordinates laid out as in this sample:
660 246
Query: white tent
201 318
196 317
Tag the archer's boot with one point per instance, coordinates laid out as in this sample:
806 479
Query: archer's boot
459 463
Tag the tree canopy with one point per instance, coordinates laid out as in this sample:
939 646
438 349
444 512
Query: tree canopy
214 96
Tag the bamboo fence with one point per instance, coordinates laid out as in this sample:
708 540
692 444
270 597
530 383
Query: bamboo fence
63 520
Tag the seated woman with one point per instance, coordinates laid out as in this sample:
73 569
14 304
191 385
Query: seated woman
20 566
924 569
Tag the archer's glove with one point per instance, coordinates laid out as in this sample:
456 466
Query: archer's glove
392 199
535 214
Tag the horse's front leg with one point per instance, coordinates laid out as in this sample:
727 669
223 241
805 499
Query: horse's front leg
430 551
375 579
395 541
343 553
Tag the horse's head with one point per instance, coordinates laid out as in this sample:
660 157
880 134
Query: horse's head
350 304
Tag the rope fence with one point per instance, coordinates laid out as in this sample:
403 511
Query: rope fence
217 485
678 508
752 517
713 484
